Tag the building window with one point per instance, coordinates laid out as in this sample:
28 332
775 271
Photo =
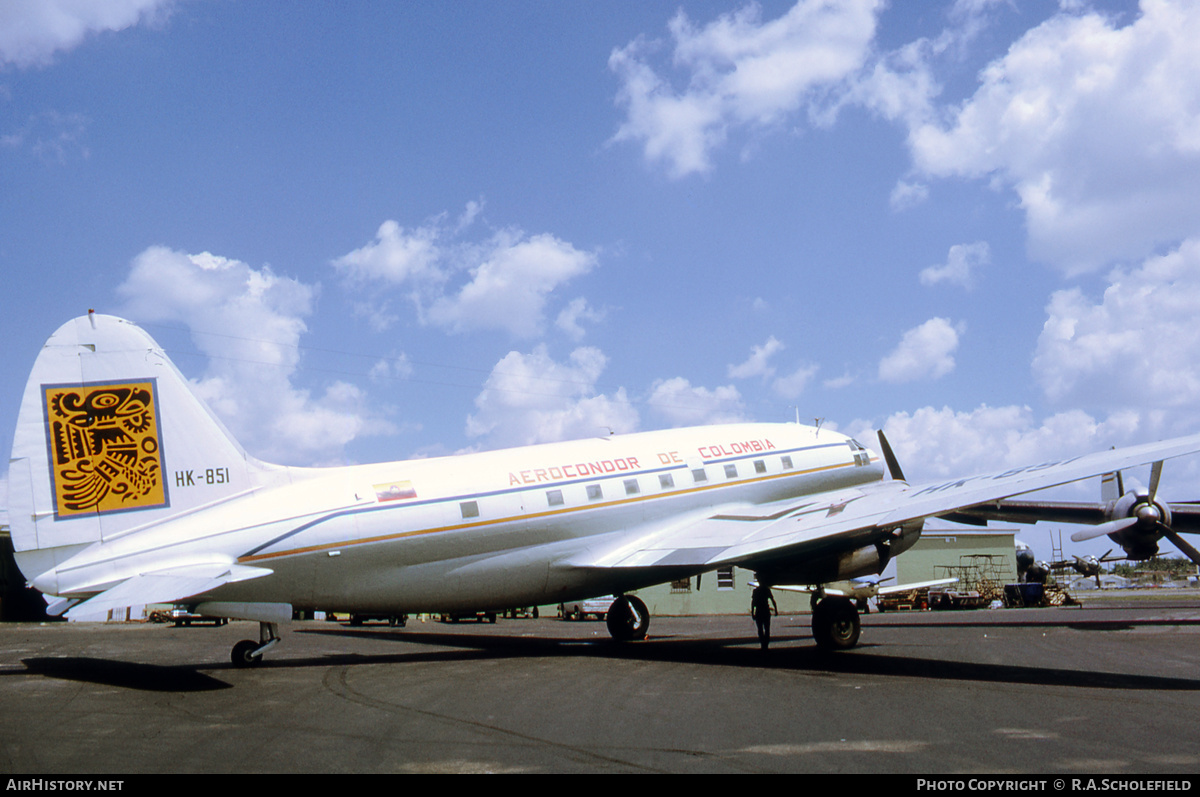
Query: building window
594 492
666 481
787 462
731 471
469 509
760 466
681 586
725 578
554 497
631 487
699 475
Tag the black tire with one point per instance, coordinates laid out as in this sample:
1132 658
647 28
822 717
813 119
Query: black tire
835 624
628 619
241 655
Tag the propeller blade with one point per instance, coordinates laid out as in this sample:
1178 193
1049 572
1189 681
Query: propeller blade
1155 475
1099 530
893 465
1182 544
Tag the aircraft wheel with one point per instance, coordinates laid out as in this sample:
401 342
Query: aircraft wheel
835 624
628 619
241 655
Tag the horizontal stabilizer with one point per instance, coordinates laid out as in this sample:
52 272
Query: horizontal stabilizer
163 586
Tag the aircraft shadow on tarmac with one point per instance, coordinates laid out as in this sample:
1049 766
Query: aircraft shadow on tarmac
789 651
129 675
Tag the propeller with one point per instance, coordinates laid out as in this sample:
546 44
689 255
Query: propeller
1142 513
893 464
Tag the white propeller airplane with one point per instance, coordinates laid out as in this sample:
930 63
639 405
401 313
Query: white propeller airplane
126 490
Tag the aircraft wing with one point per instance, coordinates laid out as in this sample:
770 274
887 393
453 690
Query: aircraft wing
834 522
1185 516
163 586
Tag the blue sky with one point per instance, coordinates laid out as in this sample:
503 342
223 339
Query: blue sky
380 230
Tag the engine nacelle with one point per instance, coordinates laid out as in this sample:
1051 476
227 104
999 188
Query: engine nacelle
864 561
1140 539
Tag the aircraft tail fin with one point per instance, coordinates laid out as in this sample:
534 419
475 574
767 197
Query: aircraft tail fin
110 437
1112 486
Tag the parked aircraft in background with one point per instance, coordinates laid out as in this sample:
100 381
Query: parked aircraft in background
126 490
859 590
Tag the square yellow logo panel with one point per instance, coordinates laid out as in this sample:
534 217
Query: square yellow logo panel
104 446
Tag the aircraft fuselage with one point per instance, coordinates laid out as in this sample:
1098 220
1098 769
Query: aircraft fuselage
468 532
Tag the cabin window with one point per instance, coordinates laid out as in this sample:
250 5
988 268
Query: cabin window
699 475
760 466
666 481
731 471
469 509
787 462
725 578
594 492
631 487
554 497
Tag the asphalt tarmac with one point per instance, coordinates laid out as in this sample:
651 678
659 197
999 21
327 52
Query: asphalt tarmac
1112 689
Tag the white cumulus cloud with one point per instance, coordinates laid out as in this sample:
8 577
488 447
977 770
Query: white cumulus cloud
509 288
758 363
577 310
502 282
680 403
926 351
1094 125
532 398
32 31
1136 347
736 72
962 265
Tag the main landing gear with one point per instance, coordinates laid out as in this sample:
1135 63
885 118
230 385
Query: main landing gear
249 653
835 623
627 619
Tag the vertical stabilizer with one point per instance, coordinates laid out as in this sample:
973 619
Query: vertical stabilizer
111 438
1112 486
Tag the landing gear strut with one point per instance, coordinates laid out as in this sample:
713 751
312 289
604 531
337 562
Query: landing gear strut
249 653
627 619
835 624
